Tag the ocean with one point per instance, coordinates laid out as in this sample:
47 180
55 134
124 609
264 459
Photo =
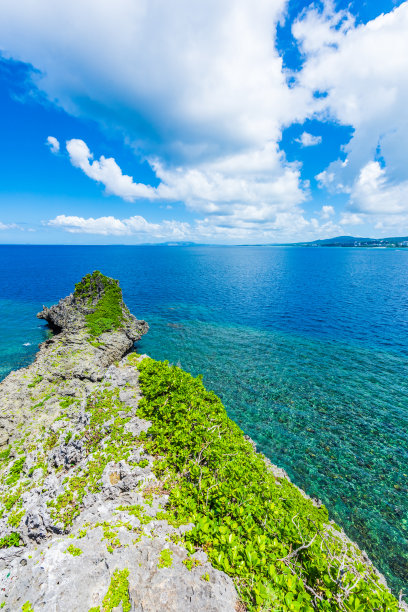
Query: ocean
307 347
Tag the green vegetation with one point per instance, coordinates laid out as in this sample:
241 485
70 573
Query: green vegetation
4 455
74 551
65 402
118 592
15 471
10 540
138 512
104 445
15 518
27 607
50 442
191 563
165 559
278 547
108 313
37 379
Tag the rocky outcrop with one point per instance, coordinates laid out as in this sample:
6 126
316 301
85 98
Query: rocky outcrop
81 516
83 519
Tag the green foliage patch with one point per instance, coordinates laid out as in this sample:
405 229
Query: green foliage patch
165 559
260 530
4 455
108 313
118 592
15 471
14 519
13 539
74 551
37 379
102 445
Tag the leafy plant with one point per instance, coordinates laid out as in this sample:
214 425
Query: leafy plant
74 551
118 592
280 549
13 539
15 471
108 310
165 559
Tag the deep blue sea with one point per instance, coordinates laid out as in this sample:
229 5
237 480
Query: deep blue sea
307 347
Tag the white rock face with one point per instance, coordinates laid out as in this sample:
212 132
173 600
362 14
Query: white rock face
81 509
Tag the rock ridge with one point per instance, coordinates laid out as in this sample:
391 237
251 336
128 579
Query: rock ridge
71 542
83 521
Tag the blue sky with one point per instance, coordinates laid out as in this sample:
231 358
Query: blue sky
233 122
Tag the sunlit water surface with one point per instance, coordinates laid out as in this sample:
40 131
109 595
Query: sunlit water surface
308 349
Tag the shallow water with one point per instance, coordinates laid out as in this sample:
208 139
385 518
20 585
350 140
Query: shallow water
307 348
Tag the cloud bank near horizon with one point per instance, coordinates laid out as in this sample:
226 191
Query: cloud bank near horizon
210 84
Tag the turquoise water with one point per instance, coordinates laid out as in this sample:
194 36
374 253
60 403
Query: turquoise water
308 349
333 415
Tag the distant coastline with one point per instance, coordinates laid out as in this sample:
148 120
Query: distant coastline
399 242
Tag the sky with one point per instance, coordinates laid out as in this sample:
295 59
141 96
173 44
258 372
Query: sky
223 121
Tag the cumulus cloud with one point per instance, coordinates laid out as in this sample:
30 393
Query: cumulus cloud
221 229
119 227
107 172
206 76
362 71
53 144
254 186
374 194
199 90
308 140
377 200
326 212
6 226
348 218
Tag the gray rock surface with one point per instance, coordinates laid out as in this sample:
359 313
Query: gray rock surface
80 491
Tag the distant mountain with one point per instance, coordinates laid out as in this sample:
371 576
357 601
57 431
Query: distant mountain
353 241
172 243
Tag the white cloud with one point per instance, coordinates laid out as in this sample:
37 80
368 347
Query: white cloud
6 226
308 140
205 76
348 218
374 194
200 91
197 89
363 70
327 212
378 201
107 172
119 227
254 186
285 227
53 144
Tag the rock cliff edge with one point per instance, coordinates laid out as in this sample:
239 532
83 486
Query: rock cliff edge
125 487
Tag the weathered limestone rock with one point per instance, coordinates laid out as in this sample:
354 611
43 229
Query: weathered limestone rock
77 491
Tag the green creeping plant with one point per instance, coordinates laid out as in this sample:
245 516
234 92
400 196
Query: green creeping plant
15 471
108 313
101 446
165 559
274 543
74 551
10 540
118 592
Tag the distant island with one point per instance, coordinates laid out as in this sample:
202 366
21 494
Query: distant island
352 241
338 241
